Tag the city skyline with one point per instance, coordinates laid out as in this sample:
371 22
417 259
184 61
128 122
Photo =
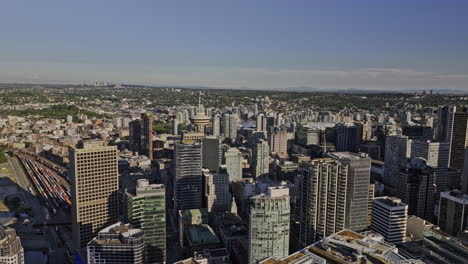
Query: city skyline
262 45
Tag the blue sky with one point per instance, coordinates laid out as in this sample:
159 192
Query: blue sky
379 44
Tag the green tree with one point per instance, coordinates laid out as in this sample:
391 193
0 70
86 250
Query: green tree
3 157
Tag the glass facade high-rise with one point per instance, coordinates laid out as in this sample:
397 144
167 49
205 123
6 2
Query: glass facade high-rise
416 188
212 154
188 180
147 135
397 150
145 208
457 136
437 155
134 128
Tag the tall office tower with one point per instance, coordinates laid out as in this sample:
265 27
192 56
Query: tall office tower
145 208
117 121
212 153
147 135
217 195
261 159
436 154
440 129
230 126
453 212
233 160
175 127
358 181
415 187
464 176
69 119
334 195
216 125
457 136
308 136
261 122
369 204
188 186
348 137
11 251
389 218
270 122
407 117
278 140
322 199
134 128
117 243
397 150
279 119
242 190
269 224
94 187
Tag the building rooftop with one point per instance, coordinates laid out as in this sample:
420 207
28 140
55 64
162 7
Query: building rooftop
347 155
390 201
201 235
117 234
456 195
188 216
350 247
299 257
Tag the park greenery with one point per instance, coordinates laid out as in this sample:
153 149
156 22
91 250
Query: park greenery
60 111
3 157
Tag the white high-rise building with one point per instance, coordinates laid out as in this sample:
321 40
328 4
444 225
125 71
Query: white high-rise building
389 216
334 195
11 251
233 160
269 224
278 140
230 126
261 158
261 122
216 125
437 156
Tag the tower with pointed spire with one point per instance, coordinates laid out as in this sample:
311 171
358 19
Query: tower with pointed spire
200 120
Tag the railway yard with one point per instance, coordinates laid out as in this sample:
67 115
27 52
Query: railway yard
43 190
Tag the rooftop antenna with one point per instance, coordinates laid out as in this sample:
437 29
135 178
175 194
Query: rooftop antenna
199 99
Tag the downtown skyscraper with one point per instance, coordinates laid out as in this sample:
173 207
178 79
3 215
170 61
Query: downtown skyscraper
457 136
188 180
269 224
94 186
145 208
334 195
147 135
261 158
